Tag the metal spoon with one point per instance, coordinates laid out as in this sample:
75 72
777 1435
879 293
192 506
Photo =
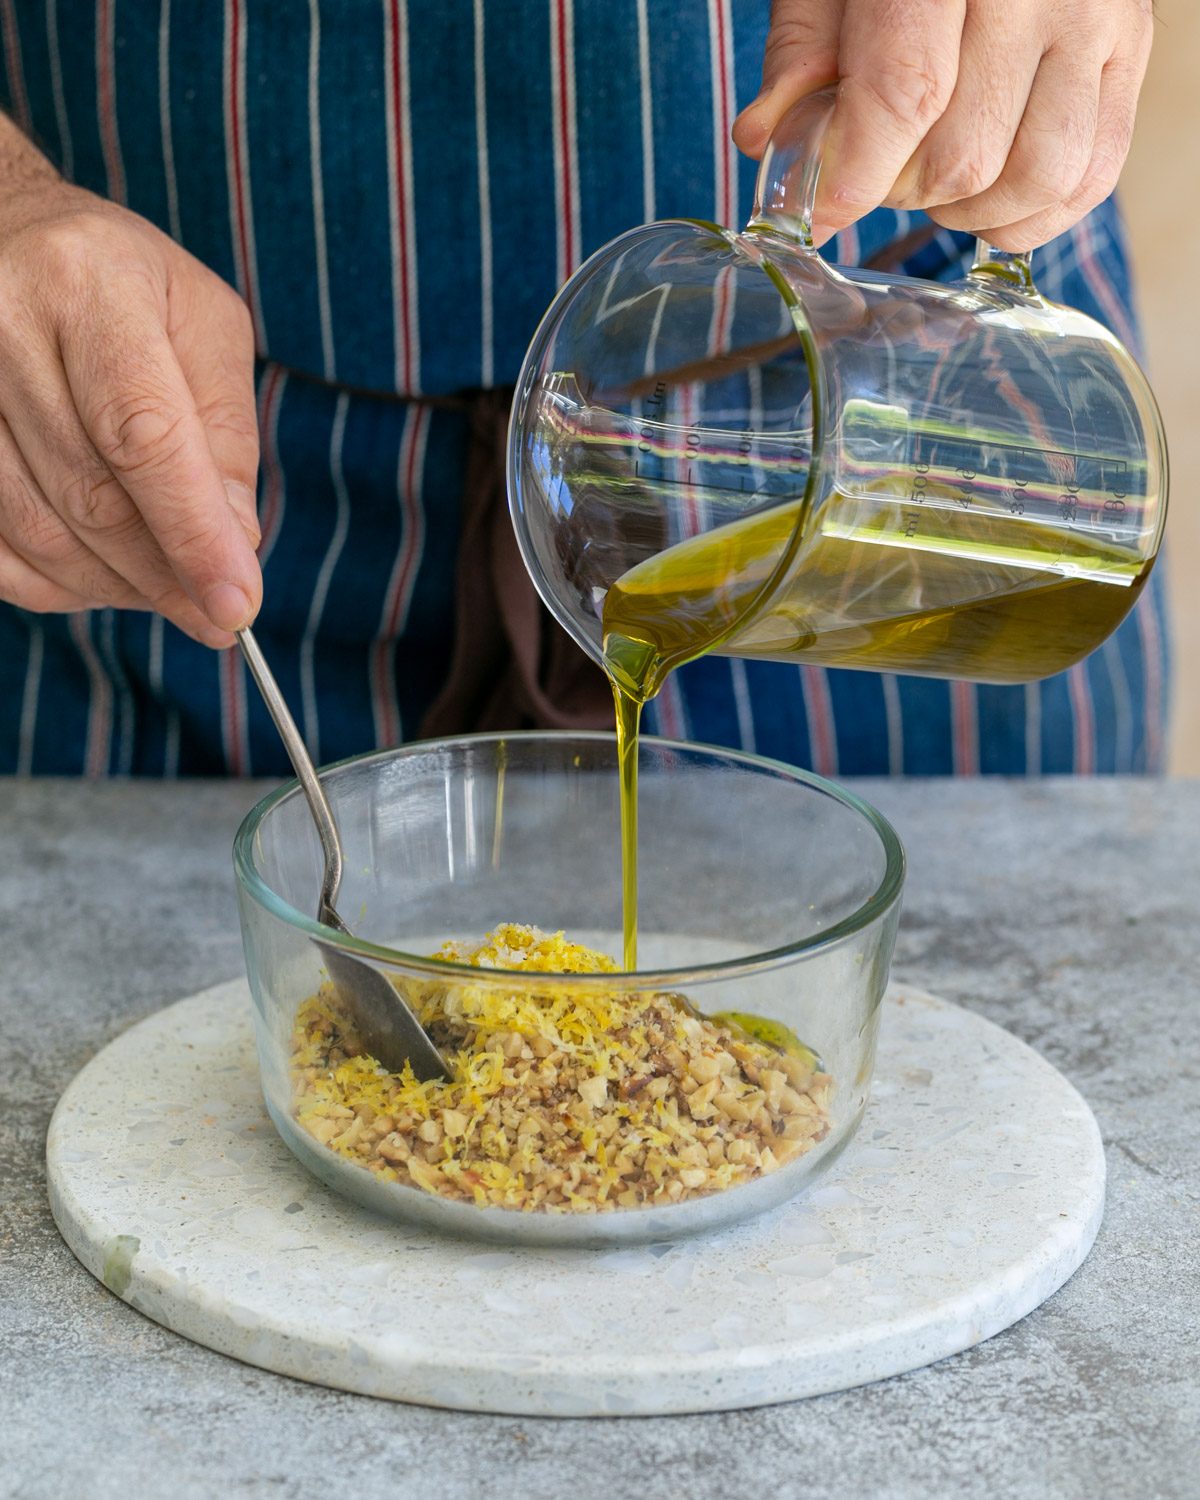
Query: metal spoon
388 1027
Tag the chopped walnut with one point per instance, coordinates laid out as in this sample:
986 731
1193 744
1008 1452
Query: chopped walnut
563 1098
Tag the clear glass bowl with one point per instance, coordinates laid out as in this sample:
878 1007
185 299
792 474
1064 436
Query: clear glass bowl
764 890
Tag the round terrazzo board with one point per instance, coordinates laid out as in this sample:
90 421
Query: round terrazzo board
972 1191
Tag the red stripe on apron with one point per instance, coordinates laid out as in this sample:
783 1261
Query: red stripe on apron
1083 719
100 699
1151 643
719 26
672 718
235 125
723 152
388 728
233 711
964 720
562 65
818 709
396 87
110 144
270 400
12 65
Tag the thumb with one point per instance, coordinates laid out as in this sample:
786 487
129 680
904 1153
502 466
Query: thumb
801 56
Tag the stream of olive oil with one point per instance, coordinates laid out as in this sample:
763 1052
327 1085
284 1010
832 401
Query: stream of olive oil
629 713
978 595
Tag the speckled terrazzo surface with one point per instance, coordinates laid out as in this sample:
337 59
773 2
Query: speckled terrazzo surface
974 1189
1066 912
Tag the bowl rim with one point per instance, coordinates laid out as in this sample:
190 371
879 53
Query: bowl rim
885 896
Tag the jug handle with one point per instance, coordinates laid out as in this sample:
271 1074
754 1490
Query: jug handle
786 188
1011 266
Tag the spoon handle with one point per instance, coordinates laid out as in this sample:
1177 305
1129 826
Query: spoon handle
327 829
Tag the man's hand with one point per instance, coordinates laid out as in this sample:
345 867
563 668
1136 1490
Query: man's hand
128 439
1010 119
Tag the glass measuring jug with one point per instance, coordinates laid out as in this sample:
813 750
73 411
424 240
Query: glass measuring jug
721 442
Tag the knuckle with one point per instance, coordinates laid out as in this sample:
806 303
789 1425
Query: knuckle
1049 163
23 511
93 501
1048 180
64 248
1048 171
1111 149
40 532
965 155
230 419
1101 176
911 90
137 433
1098 182
949 180
99 585
67 248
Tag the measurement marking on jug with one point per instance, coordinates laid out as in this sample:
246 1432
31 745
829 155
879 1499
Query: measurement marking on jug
650 415
1078 490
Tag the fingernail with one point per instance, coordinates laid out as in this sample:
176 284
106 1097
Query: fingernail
228 607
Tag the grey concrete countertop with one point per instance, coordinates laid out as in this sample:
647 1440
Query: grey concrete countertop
1068 912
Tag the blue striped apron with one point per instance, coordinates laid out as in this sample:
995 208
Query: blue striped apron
397 187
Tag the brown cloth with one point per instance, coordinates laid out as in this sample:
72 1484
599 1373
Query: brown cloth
513 665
